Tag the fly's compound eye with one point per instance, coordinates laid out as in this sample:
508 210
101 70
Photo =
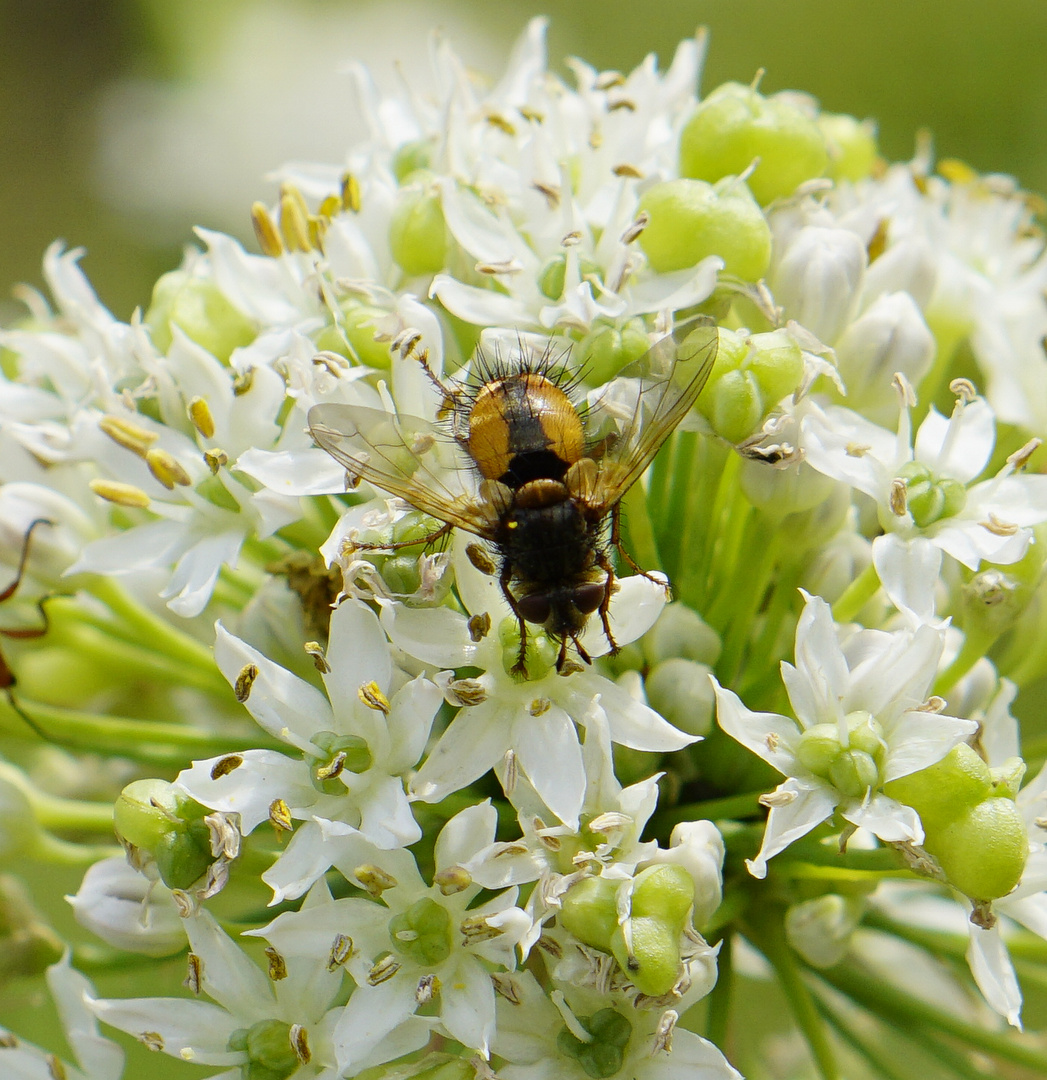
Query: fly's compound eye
535 608
587 598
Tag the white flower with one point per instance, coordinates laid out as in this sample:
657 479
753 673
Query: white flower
544 1036
444 948
296 1006
350 749
868 689
127 910
533 718
925 492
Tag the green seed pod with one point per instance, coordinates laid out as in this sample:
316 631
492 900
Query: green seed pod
353 335
851 146
984 850
945 790
589 911
777 363
201 311
818 748
734 406
604 1054
605 350
183 854
268 1047
735 125
664 891
422 933
649 954
417 231
690 220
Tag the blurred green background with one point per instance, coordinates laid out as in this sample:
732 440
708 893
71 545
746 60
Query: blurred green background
125 122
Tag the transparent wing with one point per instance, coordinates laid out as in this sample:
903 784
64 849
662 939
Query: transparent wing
638 410
403 455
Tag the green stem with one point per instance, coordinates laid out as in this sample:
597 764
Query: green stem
768 935
881 1065
911 1012
750 587
146 740
856 595
731 806
729 572
975 646
717 1024
674 508
53 812
639 533
50 849
150 629
133 661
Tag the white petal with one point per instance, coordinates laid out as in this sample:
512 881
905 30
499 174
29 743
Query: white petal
249 789
357 653
634 610
294 472
631 722
993 972
919 739
819 661
282 703
892 822
100 1058
475 739
385 814
372 1013
479 306
305 859
196 1031
465 834
802 806
847 447
692 1058
197 570
958 446
467 1006
908 571
549 754
227 975
433 635
768 735
411 713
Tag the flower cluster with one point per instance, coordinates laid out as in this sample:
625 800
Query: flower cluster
490 848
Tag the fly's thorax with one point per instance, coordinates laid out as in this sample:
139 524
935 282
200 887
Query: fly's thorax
523 427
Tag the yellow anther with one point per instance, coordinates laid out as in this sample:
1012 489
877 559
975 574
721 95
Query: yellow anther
121 494
215 460
294 221
166 469
351 192
200 416
371 695
244 682
128 434
265 231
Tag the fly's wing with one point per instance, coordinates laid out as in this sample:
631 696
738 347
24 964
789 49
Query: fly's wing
638 410
400 455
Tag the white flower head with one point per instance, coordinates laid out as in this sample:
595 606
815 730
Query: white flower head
349 750
861 721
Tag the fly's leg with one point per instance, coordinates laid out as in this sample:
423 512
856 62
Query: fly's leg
616 541
520 667
439 534
605 604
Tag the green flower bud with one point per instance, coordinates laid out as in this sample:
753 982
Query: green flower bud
417 231
551 276
268 1047
422 933
539 657
851 145
854 772
680 690
355 753
604 1054
201 311
820 929
183 854
411 157
733 406
648 951
690 220
400 573
589 911
928 498
818 748
865 733
451 1068
605 350
777 363
735 124
681 632
945 790
982 851
664 891
147 810
352 336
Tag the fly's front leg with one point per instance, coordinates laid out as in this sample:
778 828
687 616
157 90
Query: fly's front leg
605 604
427 541
520 667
